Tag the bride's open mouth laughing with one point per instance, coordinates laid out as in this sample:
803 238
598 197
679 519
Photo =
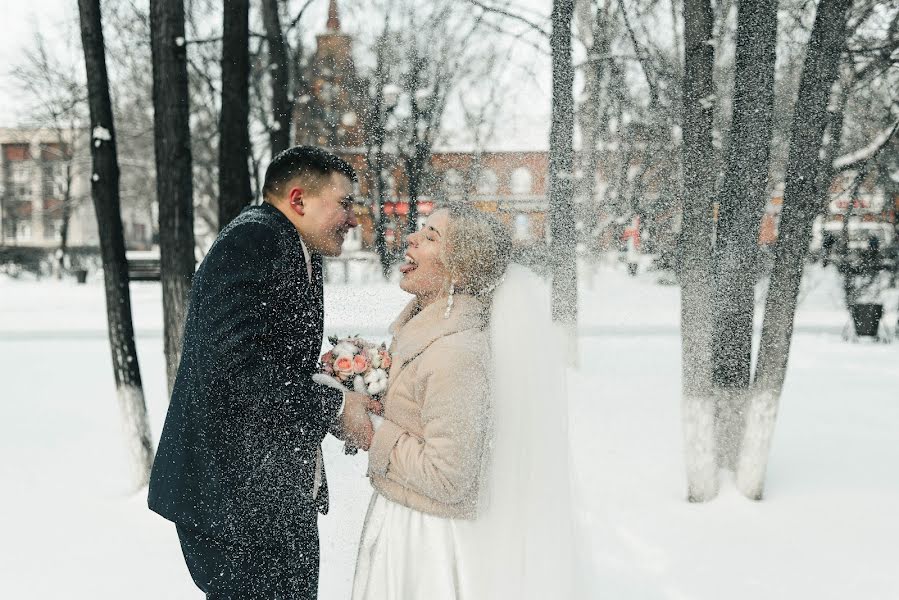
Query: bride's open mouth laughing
409 266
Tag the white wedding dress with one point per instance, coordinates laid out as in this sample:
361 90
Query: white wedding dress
520 545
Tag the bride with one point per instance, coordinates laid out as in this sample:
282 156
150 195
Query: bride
470 464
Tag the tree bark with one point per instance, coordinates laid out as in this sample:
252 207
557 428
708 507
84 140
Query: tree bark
741 202
234 136
105 195
415 167
799 209
695 254
425 121
174 177
563 256
384 253
419 149
378 111
282 107
66 214
592 124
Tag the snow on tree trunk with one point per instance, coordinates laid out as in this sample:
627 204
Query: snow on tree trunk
234 136
800 207
695 254
700 449
174 176
741 202
105 195
136 431
282 107
563 255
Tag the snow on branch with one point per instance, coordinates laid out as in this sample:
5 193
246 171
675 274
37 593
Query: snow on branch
853 160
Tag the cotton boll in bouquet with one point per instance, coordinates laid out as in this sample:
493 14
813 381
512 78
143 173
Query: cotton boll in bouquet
356 364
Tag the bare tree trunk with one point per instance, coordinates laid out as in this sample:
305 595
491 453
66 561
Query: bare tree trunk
234 135
174 177
800 207
741 202
282 107
695 254
563 256
419 149
376 133
426 113
66 215
592 123
105 194
383 252
415 167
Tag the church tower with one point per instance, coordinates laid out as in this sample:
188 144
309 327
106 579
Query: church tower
328 113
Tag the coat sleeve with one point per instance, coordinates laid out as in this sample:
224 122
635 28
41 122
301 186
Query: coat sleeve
443 464
241 307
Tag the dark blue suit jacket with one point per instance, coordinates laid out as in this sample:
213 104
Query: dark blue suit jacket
237 455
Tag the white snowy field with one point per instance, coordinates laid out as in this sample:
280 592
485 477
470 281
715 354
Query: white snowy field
829 527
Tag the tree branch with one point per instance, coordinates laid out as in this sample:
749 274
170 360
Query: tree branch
510 15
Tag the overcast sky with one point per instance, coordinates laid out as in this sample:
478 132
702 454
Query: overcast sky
17 25
524 124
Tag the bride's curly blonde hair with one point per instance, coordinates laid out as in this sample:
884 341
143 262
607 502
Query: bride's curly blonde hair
477 250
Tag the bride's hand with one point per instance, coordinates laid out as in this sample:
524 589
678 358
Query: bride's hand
354 421
375 407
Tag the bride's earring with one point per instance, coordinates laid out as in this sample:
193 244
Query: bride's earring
449 300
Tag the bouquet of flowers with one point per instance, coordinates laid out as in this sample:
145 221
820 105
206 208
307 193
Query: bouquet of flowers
357 364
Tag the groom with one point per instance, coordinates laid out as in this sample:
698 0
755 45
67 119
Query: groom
239 468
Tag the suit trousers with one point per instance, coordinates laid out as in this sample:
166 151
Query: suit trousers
235 571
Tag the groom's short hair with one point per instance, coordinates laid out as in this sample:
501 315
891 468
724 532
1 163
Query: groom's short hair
311 164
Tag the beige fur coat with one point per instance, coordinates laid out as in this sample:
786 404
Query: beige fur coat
427 455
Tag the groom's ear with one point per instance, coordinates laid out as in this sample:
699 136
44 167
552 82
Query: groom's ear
295 199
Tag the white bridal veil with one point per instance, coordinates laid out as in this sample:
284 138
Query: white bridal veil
524 533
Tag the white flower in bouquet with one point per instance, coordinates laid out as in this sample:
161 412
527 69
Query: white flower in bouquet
376 381
374 357
345 349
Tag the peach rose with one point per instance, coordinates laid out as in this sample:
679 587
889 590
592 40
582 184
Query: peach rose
360 363
344 366
385 359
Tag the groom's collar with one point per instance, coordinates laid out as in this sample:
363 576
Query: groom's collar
285 223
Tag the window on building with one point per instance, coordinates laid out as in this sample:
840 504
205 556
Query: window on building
488 182
54 179
522 181
452 183
20 174
521 230
23 231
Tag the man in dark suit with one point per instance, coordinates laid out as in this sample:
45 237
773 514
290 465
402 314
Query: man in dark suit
239 467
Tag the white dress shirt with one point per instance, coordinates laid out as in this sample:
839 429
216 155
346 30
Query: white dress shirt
317 483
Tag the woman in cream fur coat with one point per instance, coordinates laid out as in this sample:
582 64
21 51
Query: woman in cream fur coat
427 457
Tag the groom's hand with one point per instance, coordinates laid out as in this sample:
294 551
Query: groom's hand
354 422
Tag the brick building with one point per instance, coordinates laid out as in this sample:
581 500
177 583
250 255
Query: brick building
511 184
42 172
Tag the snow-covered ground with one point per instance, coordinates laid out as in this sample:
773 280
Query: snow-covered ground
829 527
